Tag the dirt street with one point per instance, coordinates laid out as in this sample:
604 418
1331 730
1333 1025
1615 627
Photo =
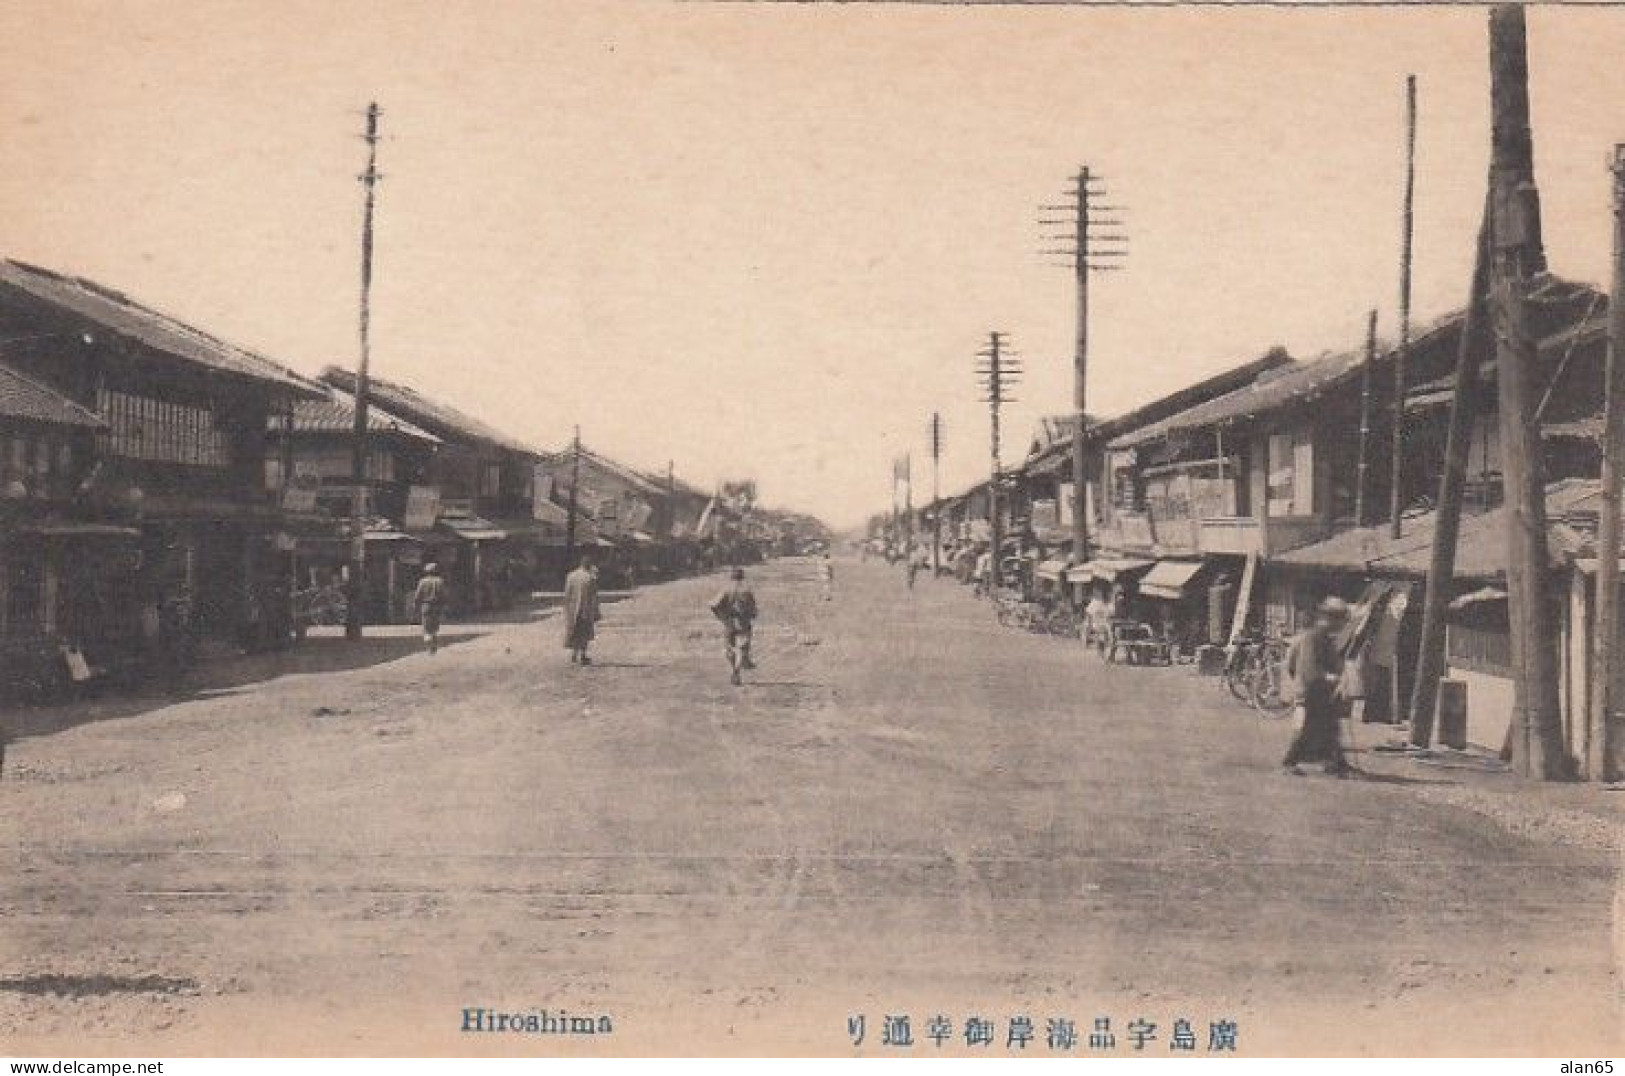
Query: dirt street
906 810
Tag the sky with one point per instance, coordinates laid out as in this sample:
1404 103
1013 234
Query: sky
767 240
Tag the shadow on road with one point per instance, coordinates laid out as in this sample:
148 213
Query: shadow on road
223 678
78 986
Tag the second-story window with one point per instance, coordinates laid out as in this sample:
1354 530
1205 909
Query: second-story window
491 480
1291 474
143 428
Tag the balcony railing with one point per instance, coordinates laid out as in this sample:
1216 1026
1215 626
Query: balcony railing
1143 532
1237 535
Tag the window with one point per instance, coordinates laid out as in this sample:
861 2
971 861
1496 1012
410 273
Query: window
147 429
1291 474
491 480
1481 647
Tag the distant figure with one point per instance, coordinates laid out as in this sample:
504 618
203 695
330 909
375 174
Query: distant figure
1313 664
1097 620
581 611
826 575
913 570
736 608
429 600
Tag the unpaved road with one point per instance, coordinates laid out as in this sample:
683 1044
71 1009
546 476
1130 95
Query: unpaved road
909 810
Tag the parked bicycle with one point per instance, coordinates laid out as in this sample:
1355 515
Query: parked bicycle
1255 673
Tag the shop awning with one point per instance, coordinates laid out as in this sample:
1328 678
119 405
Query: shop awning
1111 569
474 529
78 530
642 536
387 536
1171 579
1052 570
1080 574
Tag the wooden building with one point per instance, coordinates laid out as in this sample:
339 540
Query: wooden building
475 513
180 455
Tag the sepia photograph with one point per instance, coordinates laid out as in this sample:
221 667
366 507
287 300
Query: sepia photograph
643 529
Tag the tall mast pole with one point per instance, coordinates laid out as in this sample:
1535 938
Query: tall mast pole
1537 735
1362 480
1396 490
1471 351
354 615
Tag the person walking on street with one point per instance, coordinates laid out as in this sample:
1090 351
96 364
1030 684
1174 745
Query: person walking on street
1314 666
581 613
429 600
826 576
736 608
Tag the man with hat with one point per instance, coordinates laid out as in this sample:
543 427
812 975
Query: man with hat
1314 665
736 608
429 599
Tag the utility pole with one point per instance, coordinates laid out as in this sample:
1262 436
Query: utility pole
572 502
1536 734
1362 468
908 509
354 616
936 497
1396 491
1471 350
1090 252
999 371
1607 743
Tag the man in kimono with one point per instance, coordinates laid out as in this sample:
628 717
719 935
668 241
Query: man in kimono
580 610
736 608
1314 665
429 599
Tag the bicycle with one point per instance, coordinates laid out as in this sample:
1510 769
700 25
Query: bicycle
1255 673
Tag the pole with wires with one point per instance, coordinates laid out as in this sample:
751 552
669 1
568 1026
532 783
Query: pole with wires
1396 491
999 371
1090 251
935 430
355 617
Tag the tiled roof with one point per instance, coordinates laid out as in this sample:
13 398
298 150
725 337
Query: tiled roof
1480 547
443 420
335 413
646 483
21 397
1559 311
121 314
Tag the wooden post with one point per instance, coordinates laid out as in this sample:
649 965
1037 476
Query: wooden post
1362 481
354 616
1605 759
908 509
1396 490
936 497
571 502
1537 740
1472 348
